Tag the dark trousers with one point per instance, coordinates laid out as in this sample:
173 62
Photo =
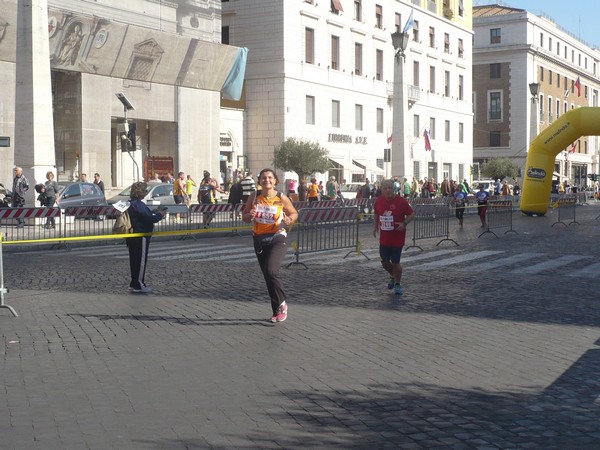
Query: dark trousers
138 258
460 212
269 258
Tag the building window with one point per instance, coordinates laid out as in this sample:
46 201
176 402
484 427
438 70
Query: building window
495 106
461 8
447 83
495 36
557 108
358 10
541 39
461 87
495 70
494 139
416 73
550 77
542 107
357 59
550 43
446 43
541 74
432 79
336 6
309 45
461 132
432 128
550 118
417 169
416 30
358 117
379 118
335 52
379 65
447 130
461 49
378 16
398 22
310 110
335 113
416 126
225 35
432 37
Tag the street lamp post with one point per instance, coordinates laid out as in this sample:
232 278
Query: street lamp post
400 156
534 89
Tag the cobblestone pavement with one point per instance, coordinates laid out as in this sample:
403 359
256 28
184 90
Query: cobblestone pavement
495 344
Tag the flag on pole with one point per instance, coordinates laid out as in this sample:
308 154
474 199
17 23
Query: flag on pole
567 92
427 142
232 88
389 139
409 23
578 86
571 150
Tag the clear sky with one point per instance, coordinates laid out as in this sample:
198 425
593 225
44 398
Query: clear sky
579 17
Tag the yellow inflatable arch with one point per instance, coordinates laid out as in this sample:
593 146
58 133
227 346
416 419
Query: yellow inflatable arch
539 167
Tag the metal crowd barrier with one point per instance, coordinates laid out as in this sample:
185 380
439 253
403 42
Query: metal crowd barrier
499 214
98 221
432 220
322 229
566 205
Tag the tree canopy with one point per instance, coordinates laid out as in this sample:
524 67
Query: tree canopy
498 168
302 157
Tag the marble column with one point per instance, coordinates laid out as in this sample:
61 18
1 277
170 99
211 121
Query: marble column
34 123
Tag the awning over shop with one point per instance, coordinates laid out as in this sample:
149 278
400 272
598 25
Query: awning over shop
340 164
362 163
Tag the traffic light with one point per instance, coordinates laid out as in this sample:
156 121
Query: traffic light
127 132
387 155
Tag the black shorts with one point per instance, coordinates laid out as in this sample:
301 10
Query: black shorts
390 254
179 199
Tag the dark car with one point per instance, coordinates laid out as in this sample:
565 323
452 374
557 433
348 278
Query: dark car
80 194
156 194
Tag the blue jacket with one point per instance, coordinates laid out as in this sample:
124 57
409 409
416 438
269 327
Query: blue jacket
142 218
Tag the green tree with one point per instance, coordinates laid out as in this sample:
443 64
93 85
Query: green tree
302 157
498 168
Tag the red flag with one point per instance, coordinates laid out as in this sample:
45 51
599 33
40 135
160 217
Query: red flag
427 143
571 150
578 86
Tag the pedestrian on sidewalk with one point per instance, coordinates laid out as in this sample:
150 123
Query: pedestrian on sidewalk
392 216
20 188
272 212
142 221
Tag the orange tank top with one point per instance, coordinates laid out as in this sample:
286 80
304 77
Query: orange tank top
269 214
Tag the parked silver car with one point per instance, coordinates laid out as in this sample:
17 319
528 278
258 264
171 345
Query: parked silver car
156 194
80 194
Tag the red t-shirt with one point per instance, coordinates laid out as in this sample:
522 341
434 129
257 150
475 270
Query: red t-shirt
390 212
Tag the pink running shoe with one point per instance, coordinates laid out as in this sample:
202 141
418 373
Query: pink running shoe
282 313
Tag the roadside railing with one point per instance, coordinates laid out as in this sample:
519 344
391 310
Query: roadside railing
432 220
499 214
566 205
322 229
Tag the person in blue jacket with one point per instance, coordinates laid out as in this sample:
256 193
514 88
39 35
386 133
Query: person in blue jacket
142 221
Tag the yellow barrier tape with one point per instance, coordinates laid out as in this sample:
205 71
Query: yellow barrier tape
124 236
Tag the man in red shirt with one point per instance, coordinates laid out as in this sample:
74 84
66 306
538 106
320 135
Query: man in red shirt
392 216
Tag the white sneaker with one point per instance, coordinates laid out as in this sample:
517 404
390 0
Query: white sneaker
143 290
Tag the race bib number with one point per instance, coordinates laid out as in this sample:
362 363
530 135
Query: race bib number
266 214
386 223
